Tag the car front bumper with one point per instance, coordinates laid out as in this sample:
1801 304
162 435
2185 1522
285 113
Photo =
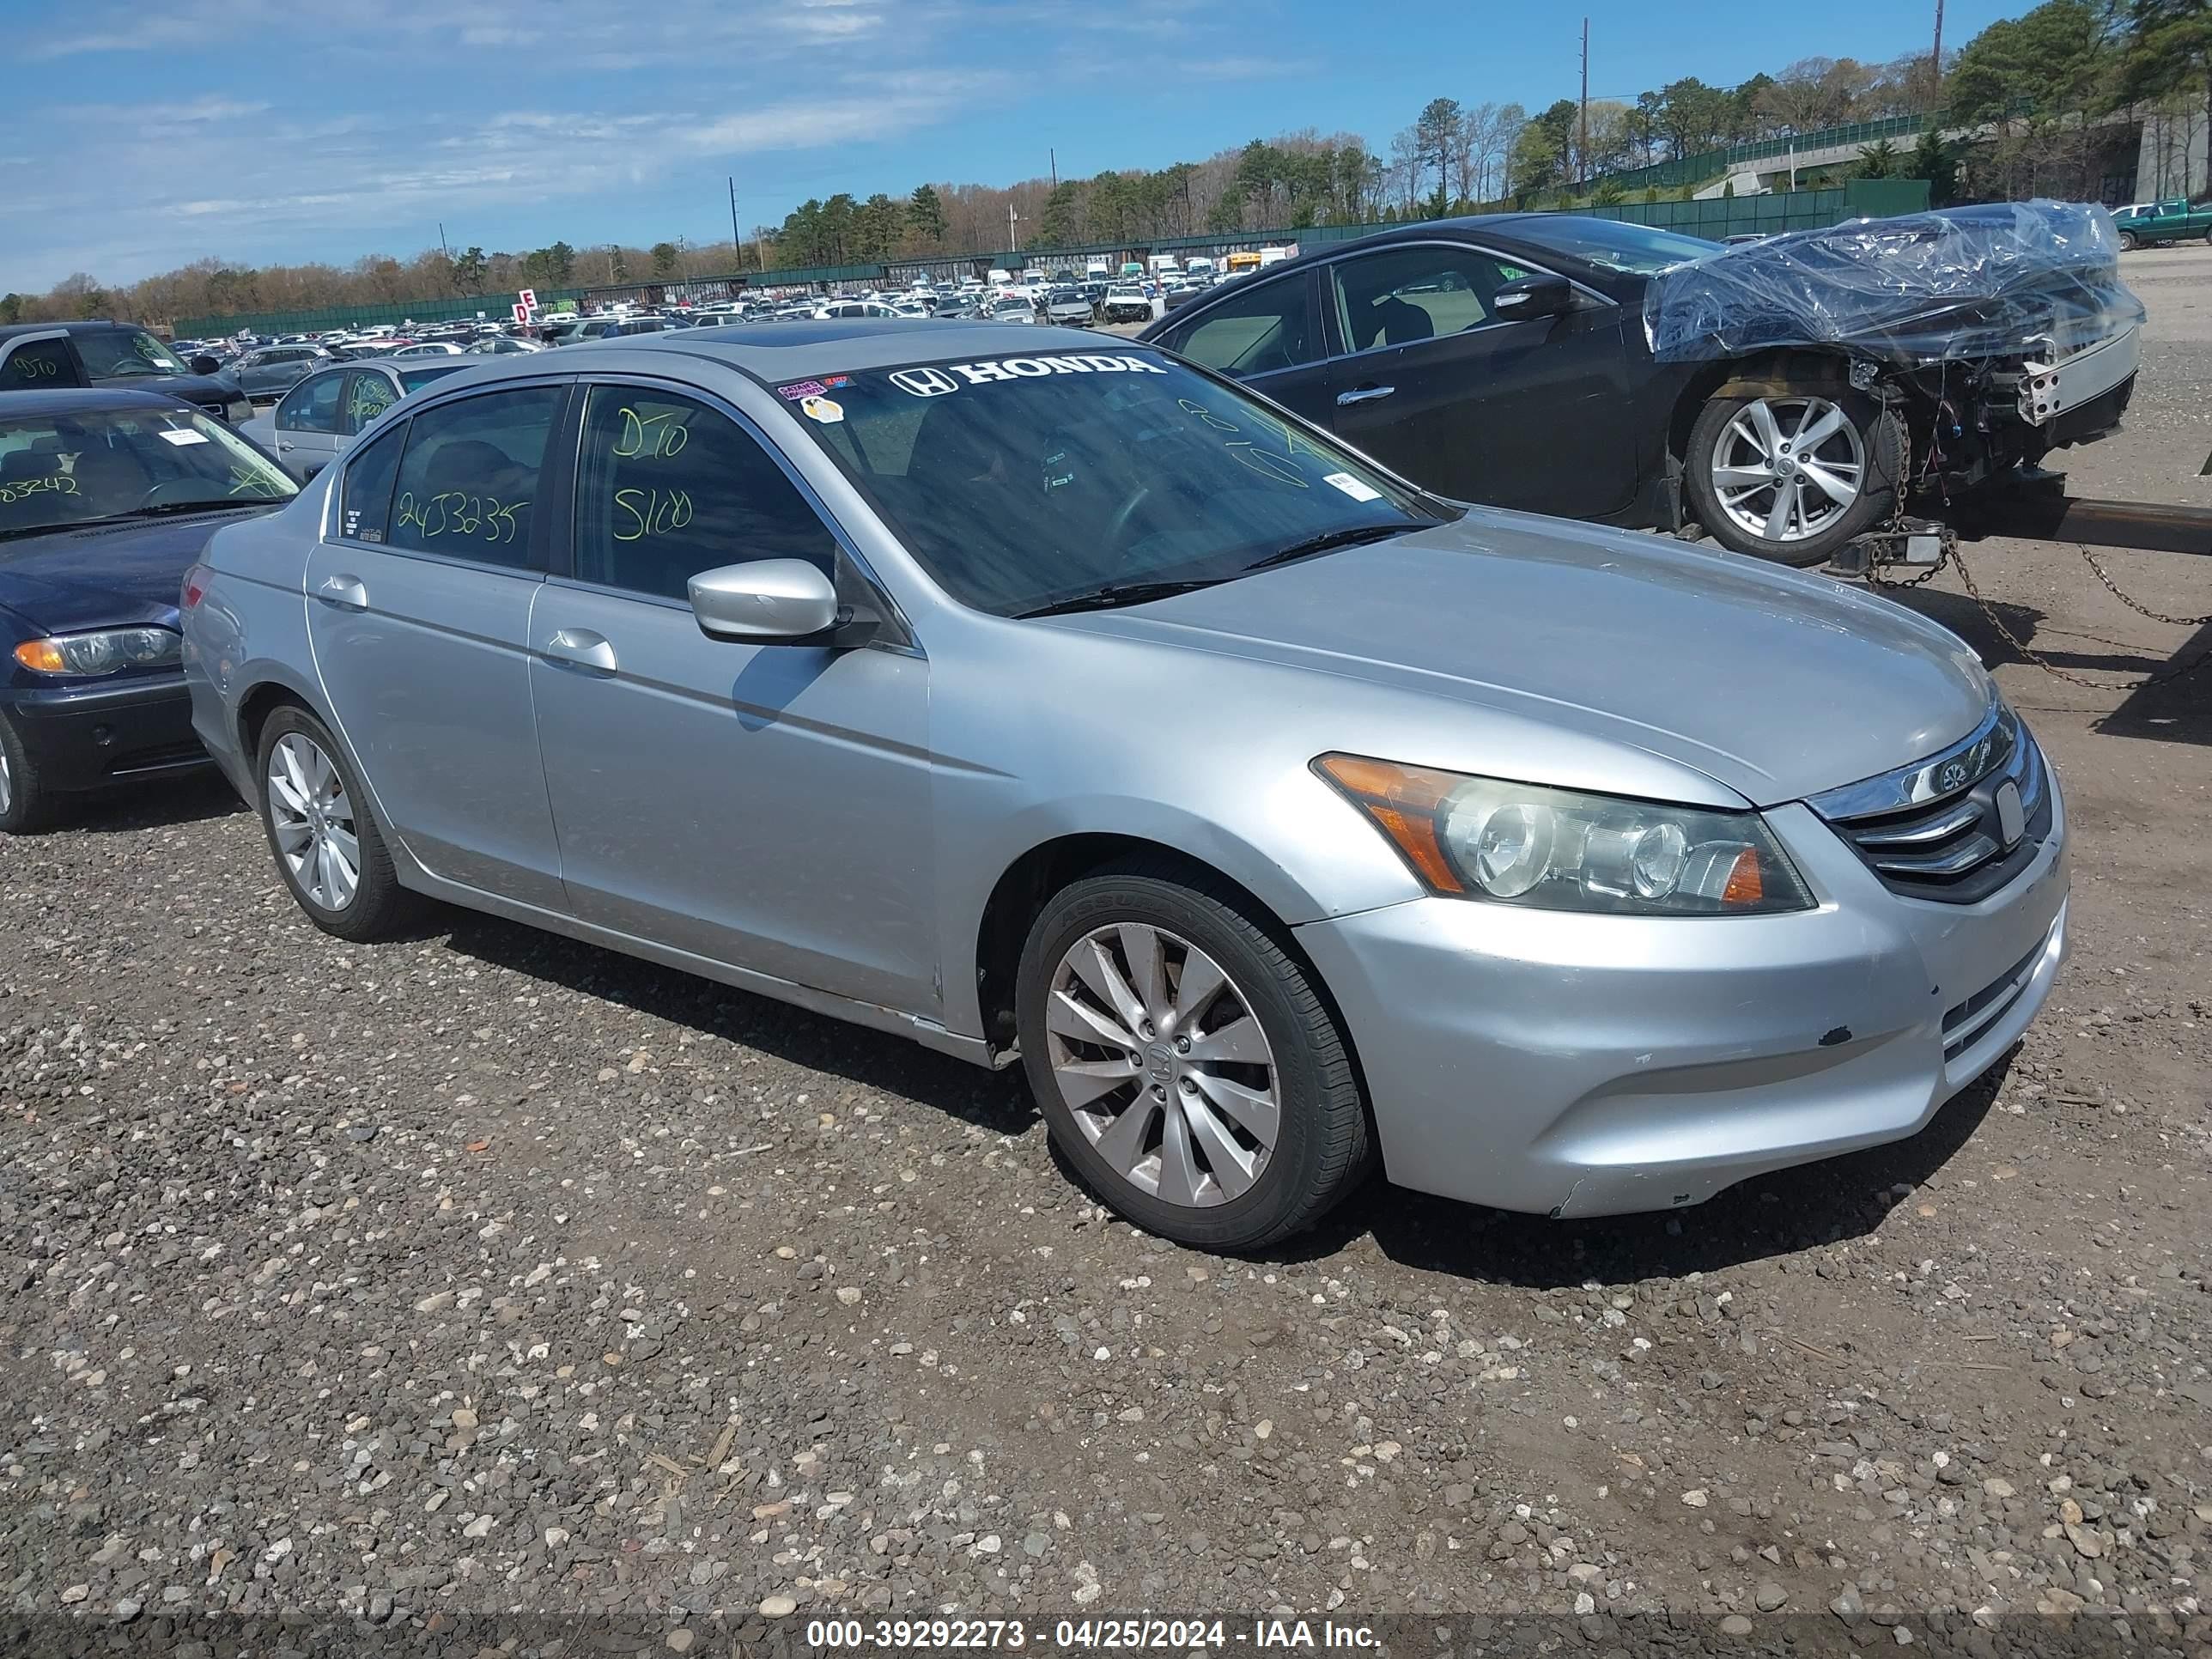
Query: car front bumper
95 736
1580 1065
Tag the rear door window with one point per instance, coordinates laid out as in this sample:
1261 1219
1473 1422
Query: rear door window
368 393
365 497
1267 327
469 477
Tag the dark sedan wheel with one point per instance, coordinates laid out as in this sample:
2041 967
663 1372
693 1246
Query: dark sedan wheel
25 803
1185 1063
1790 473
328 846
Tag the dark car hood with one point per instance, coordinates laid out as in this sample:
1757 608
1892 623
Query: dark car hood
1777 686
201 389
104 576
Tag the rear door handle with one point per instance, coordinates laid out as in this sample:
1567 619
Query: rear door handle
580 647
345 591
1366 394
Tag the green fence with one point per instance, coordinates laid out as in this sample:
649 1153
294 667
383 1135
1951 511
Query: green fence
1725 216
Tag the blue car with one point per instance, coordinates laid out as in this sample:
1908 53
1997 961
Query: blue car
107 498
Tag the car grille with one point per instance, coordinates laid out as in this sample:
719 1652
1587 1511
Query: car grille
1965 1024
1936 829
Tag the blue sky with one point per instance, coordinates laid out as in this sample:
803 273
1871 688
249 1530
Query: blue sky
137 135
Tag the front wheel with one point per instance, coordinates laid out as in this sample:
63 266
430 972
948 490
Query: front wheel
25 805
1790 473
2129 244
1186 1063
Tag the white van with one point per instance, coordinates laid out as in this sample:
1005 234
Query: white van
1097 271
998 276
1163 264
1198 265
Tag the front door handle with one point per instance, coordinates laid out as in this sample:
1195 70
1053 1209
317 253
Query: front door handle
283 445
346 591
1366 394
580 647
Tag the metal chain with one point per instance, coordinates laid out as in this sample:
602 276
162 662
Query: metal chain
2051 669
1950 555
2113 588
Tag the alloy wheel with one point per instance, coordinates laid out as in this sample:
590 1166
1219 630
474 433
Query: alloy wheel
1785 469
1162 1065
312 820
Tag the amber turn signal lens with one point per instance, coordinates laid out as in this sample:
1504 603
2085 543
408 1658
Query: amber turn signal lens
41 657
1403 802
1747 881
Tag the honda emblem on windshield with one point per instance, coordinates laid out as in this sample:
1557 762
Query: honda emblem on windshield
924 382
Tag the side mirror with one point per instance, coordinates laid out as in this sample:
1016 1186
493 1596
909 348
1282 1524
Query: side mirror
203 364
1533 296
770 600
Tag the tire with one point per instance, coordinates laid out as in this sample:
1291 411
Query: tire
27 805
1866 437
1186 1169
2129 244
375 907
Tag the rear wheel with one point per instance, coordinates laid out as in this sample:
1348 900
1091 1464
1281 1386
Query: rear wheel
1792 472
328 845
1185 1063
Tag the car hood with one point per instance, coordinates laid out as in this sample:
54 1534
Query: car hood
104 576
1777 686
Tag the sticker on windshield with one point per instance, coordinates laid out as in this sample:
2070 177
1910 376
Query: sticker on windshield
1351 487
799 389
936 382
183 437
826 410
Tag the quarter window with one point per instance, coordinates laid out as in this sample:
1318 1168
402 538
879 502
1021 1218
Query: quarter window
365 505
312 406
1403 296
667 488
470 475
1267 327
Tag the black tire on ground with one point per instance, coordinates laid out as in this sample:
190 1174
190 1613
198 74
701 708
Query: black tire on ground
1324 1146
29 805
1880 441
380 907
2129 244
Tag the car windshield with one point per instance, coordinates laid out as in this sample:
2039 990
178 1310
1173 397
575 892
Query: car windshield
414 378
1024 483
1613 244
125 354
89 464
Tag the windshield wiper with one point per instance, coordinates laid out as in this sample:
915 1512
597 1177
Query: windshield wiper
164 509
1116 594
1329 541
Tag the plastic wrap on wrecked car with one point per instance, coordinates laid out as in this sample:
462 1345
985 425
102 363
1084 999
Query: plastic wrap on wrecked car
2013 279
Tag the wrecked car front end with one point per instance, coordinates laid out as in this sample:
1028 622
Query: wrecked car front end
1996 333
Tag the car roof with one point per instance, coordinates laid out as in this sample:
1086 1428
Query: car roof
69 399
774 352
9 329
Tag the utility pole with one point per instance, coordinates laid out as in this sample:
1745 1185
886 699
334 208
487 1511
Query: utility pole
442 248
1581 143
737 241
1054 155
1936 60
1013 235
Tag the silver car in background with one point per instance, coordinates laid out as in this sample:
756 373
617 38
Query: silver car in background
317 419
1045 699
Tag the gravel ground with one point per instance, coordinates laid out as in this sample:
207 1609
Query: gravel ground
487 1288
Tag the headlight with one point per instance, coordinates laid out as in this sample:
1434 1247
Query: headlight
108 652
1556 849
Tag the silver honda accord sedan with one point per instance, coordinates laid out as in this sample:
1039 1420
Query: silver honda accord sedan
1041 698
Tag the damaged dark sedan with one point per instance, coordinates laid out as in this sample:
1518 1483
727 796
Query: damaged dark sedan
1786 395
